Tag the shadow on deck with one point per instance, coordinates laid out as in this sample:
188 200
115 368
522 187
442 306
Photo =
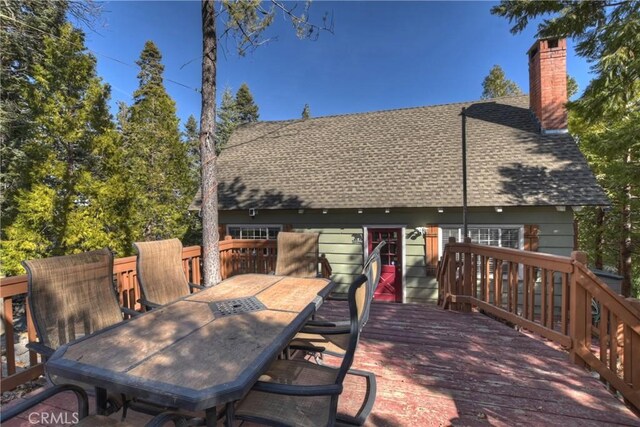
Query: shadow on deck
440 368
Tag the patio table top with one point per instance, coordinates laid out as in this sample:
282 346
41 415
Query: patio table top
200 351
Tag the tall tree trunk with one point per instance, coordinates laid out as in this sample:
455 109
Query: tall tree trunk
625 238
208 158
625 248
599 238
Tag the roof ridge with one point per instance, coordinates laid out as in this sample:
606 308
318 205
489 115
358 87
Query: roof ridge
331 116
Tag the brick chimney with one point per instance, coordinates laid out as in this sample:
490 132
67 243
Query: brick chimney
548 84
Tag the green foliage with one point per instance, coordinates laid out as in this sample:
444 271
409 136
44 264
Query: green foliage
607 34
306 111
191 135
247 21
65 180
227 119
156 163
234 112
246 108
605 119
192 139
496 84
608 146
572 86
23 26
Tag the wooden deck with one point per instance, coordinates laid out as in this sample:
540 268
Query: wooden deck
440 368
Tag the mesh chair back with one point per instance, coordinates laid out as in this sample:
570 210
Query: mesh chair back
372 270
71 296
297 254
374 262
160 272
358 300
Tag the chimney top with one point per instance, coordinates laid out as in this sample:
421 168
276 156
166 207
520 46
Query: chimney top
548 84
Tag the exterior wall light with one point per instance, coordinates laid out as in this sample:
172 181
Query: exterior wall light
440 210
387 210
360 211
324 211
498 209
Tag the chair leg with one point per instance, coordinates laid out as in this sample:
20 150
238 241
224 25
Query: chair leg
367 405
230 410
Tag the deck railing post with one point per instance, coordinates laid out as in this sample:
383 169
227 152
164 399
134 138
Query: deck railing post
578 309
466 275
452 287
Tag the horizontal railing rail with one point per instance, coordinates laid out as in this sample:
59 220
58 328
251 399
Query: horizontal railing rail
236 257
554 296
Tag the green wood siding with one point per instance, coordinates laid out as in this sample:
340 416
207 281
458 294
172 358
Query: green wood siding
340 229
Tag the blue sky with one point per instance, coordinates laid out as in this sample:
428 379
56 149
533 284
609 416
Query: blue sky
382 55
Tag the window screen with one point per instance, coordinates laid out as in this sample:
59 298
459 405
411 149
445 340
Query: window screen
253 232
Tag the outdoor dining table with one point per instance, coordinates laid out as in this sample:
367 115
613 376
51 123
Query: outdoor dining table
203 350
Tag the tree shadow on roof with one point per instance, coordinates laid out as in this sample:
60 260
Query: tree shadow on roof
503 114
236 195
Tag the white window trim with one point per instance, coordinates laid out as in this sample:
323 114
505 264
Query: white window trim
253 225
520 239
403 227
460 226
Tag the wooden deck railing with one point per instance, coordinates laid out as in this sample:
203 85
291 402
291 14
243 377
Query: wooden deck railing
236 256
239 256
556 297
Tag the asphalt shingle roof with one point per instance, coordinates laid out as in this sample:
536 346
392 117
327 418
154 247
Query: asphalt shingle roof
405 158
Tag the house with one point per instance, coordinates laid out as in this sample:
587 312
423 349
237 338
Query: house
397 176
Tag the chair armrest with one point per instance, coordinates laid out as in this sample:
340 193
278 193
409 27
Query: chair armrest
40 348
194 286
83 401
298 390
130 312
148 304
328 323
326 331
310 348
332 297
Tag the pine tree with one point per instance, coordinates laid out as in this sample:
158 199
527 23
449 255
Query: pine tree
227 119
246 108
192 140
23 26
60 207
157 163
604 119
306 111
496 84
572 86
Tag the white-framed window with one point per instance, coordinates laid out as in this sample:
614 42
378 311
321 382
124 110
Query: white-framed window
253 231
504 236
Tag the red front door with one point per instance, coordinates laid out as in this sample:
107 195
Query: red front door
390 286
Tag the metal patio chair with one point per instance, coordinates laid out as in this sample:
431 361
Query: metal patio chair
297 254
331 337
160 272
72 296
302 393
